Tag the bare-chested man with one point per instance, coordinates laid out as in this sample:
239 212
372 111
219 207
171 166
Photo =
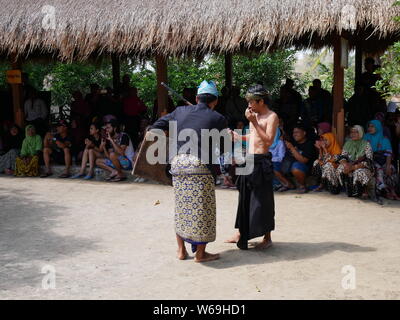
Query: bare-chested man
256 208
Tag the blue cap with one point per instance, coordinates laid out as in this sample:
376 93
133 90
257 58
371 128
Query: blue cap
208 87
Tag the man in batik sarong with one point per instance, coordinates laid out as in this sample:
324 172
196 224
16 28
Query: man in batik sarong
194 179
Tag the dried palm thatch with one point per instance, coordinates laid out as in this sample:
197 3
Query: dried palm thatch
79 29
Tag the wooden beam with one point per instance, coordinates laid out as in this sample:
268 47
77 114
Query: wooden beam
116 72
162 76
228 70
17 94
338 91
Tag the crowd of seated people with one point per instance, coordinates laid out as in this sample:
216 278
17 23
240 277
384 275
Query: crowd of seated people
305 146
106 127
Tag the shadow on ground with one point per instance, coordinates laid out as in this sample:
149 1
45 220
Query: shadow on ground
27 241
282 251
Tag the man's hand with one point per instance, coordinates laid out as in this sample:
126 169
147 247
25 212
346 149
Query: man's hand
109 138
251 116
59 144
289 145
347 168
235 136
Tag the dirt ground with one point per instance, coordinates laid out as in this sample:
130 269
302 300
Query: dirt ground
113 241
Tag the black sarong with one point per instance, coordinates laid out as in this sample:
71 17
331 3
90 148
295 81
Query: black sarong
256 208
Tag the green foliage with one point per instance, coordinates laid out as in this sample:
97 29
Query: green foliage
64 78
390 70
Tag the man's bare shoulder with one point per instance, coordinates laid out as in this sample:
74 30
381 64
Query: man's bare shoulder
270 117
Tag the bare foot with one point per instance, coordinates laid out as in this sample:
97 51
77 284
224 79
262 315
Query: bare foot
265 244
207 257
234 239
182 255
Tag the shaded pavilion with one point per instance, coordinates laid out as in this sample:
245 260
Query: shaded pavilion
70 30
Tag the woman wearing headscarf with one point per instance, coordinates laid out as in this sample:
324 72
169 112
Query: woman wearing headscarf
380 116
324 127
356 164
12 145
385 172
324 168
27 164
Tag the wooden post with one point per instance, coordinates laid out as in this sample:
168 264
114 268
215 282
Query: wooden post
228 71
17 95
338 91
359 64
116 72
162 76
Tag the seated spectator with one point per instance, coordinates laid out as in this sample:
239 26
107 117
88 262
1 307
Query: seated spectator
380 116
324 127
324 168
12 146
385 172
91 153
58 148
355 168
299 158
118 151
27 164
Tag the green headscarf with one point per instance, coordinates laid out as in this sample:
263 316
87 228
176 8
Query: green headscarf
31 145
356 148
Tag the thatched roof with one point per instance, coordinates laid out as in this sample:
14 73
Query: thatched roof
87 27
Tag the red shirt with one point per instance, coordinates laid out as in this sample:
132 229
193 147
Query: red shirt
133 106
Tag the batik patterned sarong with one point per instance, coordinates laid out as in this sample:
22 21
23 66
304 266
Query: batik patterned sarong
195 208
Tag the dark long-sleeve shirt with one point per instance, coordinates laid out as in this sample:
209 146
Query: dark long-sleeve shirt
196 118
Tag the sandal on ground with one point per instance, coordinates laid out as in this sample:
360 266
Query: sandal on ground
284 189
46 174
88 177
318 189
118 179
302 190
78 176
364 196
64 175
109 178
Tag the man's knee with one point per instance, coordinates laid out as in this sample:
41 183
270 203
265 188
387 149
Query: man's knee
298 173
47 150
67 151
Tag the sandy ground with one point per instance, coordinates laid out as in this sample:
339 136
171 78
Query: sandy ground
111 241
